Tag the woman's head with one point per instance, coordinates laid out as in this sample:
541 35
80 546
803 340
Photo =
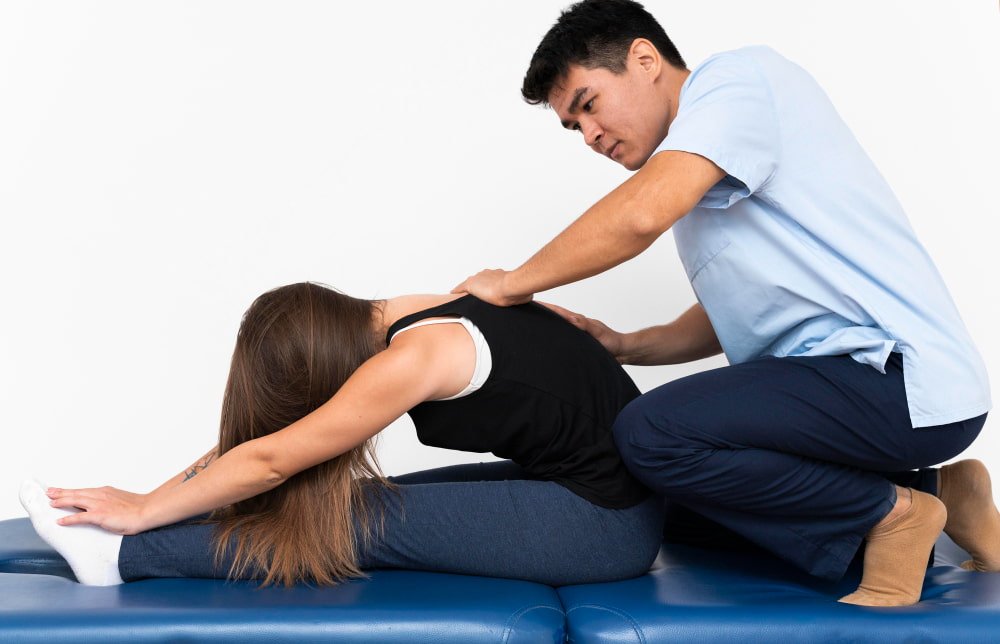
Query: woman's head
295 348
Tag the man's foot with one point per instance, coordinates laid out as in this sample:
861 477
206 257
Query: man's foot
91 552
896 554
973 520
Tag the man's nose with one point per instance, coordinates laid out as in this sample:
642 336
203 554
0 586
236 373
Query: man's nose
592 133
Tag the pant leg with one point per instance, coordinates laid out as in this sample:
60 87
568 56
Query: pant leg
522 529
188 549
683 525
786 452
491 471
181 550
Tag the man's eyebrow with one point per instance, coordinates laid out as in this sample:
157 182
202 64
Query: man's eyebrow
574 105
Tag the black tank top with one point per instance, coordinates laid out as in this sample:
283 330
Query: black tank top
548 403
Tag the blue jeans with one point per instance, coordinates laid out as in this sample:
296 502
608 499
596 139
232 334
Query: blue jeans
485 519
797 455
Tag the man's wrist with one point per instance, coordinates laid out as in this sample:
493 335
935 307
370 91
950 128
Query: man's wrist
509 292
627 352
645 347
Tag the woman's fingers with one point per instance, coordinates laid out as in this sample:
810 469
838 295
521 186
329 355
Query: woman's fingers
109 508
80 518
76 498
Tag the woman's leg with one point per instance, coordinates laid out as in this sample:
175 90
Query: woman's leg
180 550
490 471
502 526
521 529
785 451
188 549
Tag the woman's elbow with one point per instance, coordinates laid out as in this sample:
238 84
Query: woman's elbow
273 478
263 466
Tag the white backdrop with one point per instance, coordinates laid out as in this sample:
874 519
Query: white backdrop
162 163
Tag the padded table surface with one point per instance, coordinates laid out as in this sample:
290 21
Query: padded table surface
695 595
39 602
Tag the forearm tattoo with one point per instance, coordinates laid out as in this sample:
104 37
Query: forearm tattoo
205 461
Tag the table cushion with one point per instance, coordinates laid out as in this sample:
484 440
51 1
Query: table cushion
696 595
39 602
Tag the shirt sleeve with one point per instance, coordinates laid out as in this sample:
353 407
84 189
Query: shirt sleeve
727 115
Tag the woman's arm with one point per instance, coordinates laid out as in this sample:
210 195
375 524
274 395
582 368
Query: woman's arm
190 472
420 365
123 500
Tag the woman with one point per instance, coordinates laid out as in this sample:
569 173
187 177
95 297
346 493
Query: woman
295 493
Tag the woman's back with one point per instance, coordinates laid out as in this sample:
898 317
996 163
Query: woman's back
548 403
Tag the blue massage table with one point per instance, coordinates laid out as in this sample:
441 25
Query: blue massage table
692 595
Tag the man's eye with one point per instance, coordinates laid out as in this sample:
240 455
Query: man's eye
589 105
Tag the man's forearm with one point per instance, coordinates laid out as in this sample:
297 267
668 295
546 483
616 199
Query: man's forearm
690 337
617 228
599 240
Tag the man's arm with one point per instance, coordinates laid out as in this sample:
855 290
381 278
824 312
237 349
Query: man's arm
690 337
617 228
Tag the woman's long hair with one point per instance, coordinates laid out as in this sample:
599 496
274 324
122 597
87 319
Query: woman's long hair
296 346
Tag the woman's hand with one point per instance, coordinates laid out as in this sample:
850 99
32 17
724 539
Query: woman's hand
114 510
612 340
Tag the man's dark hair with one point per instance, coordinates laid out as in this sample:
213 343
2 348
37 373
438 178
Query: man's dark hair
593 33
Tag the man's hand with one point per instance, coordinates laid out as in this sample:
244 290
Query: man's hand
488 286
612 340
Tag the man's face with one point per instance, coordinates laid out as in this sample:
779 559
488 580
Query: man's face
621 116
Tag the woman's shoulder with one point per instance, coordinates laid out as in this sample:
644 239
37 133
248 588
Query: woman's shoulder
402 306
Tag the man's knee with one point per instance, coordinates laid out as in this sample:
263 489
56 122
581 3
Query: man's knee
652 444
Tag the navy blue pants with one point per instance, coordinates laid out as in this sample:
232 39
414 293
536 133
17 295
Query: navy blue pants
487 519
797 455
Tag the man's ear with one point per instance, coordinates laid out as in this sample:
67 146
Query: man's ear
645 56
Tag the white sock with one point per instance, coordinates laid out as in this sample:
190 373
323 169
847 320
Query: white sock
91 552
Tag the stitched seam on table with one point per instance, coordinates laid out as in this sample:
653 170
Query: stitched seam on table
624 616
38 560
509 626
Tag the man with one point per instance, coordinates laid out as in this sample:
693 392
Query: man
848 358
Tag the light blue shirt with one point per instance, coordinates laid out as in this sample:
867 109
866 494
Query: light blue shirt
802 249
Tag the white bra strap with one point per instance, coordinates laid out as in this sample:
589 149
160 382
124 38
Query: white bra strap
484 359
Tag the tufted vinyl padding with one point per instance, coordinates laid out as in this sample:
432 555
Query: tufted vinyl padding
40 603
701 596
693 595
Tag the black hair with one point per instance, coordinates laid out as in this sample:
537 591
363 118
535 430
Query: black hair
593 33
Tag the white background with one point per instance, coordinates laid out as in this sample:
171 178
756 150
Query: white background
162 163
